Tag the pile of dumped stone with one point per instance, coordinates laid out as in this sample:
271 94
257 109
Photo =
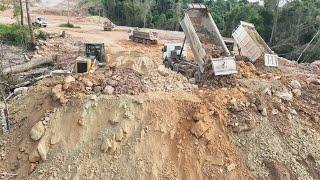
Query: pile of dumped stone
163 79
111 82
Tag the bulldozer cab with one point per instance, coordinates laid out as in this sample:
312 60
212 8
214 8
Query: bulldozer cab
97 50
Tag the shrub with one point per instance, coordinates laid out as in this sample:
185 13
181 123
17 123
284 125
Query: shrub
68 25
11 34
39 34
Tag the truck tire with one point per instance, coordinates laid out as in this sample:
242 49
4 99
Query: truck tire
197 76
175 67
167 64
148 41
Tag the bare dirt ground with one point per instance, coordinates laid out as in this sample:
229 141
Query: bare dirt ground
136 120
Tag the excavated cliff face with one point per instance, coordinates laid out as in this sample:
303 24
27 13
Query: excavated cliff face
150 136
263 129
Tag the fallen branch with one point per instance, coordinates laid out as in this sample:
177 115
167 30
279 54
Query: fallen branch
27 83
8 175
36 62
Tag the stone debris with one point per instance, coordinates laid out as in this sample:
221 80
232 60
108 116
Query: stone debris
294 84
285 95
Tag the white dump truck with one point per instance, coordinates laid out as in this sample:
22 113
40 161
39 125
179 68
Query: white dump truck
252 45
206 43
143 36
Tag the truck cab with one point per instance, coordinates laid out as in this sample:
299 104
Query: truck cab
173 51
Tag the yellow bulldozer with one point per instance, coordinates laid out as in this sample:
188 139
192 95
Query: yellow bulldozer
94 54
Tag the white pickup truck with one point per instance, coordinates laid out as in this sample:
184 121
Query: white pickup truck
41 22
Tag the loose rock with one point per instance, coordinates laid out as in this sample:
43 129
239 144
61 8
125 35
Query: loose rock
37 131
294 84
108 90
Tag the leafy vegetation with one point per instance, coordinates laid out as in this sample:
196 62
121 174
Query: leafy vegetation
39 34
68 25
287 28
4 6
11 34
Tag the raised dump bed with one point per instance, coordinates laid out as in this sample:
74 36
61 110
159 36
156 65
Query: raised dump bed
252 44
206 41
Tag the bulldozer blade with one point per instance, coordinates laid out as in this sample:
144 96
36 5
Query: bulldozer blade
224 66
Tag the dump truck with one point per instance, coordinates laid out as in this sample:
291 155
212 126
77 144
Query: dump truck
108 26
143 36
94 54
252 45
206 43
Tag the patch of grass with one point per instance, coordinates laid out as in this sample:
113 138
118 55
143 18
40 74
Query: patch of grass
68 25
11 34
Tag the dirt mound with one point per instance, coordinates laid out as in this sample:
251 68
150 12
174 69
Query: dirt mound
94 19
155 77
133 60
106 136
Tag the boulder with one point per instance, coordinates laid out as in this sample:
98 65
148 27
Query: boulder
87 82
294 84
231 167
20 90
199 128
69 79
109 146
275 111
296 92
119 135
163 71
58 94
284 95
264 112
108 90
106 145
37 131
43 148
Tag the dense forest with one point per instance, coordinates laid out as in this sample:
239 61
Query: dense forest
290 27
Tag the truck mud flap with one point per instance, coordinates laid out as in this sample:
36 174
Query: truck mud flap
224 66
271 60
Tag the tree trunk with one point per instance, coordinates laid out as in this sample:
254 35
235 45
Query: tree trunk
27 66
21 12
68 13
275 22
32 40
